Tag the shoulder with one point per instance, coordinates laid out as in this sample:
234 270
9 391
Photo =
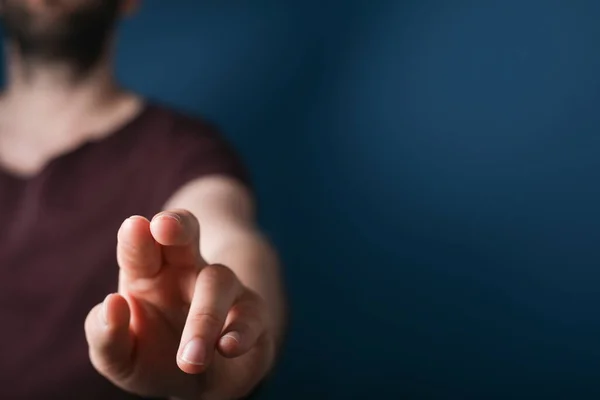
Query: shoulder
168 126
189 147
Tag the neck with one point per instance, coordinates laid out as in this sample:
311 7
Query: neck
43 88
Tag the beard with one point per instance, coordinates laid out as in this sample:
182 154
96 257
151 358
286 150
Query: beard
75 36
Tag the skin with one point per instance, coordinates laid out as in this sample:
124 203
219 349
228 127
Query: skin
200 271
180 280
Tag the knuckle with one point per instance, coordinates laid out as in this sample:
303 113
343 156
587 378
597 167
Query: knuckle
206 316
131 254
245 329
254 298
210 273
219 274
245 311
256 310
248 313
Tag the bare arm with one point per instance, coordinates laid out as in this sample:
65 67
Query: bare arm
232 294
229 235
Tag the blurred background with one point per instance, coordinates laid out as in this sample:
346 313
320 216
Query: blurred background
429 171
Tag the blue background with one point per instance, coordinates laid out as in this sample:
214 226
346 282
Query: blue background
428 169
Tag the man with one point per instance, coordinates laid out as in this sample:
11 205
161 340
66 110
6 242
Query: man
192 306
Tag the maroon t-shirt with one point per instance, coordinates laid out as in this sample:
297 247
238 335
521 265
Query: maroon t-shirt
58 240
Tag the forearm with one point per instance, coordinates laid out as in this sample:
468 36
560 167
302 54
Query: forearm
229 236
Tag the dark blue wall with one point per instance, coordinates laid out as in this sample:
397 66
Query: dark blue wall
430 171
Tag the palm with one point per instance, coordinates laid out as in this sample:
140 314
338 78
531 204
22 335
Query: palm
159 281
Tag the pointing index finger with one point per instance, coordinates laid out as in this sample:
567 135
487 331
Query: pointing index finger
217 289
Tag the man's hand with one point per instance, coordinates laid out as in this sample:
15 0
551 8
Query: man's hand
178 327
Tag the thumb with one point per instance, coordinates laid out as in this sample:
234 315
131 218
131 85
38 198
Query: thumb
109 339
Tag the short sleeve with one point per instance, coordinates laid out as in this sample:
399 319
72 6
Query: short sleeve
196 149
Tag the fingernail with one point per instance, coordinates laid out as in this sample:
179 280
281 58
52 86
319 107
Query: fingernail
169 215
104 310
233 336
194 352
